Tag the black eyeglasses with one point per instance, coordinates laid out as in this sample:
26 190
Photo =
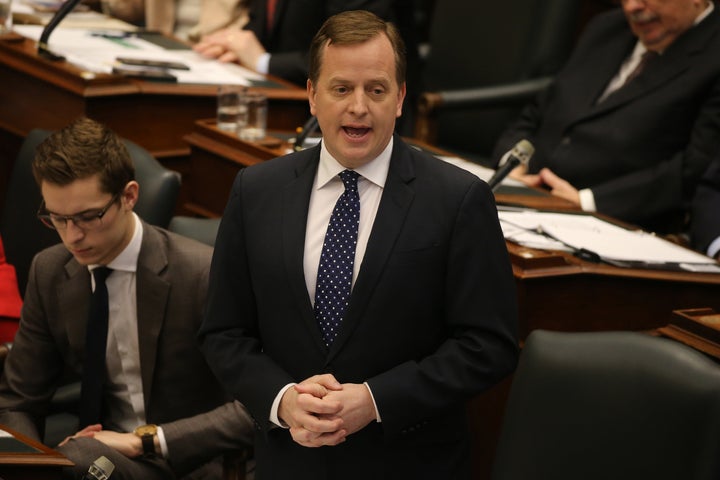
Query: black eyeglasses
87 220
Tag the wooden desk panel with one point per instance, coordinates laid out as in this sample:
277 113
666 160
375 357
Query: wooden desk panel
35 462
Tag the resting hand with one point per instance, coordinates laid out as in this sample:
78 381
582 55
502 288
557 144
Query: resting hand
88 431
232 45
128 444
311 417
357 407
559 186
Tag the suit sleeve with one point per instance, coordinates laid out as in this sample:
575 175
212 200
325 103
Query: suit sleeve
34 365
480 316
230 333
705 219
671 183
196 440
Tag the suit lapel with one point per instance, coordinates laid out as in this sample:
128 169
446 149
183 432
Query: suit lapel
152 298
396 199
73 303
295 202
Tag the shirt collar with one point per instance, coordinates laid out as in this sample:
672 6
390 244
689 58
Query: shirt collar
375 170
128 258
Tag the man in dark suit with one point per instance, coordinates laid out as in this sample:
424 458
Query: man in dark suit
152 370
630 143
372 356
278 44
705 216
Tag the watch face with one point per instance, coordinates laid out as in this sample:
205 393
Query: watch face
146 430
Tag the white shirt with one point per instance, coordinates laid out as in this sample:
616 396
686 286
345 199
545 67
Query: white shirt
126 401
326 190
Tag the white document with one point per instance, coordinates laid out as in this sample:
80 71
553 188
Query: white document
93 52
568 231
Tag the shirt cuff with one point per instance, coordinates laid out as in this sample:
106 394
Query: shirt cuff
276 406
714 248
377 412
587 200
163 442
263 63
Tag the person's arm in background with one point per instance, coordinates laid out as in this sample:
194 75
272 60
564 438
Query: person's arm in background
705 215
191 441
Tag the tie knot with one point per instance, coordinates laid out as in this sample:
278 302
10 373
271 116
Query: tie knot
101 273
350 179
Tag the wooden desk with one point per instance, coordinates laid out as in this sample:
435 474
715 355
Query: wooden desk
22 458
38 93
698 328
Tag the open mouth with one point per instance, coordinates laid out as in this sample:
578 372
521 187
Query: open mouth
356 132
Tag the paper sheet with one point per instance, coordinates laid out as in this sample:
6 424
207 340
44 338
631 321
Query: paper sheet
609 241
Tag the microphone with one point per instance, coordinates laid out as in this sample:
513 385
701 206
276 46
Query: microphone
101 469
520 154
303 132
62 12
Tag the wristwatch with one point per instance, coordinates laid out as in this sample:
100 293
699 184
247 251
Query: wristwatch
147 436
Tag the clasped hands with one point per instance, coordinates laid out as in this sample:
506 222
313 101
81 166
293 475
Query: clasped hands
232 45
321 411
547 178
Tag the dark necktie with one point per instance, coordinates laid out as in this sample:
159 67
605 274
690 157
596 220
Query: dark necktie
335 272
94 369
646 58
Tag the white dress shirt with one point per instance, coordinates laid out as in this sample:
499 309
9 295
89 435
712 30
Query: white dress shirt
326 190
126 401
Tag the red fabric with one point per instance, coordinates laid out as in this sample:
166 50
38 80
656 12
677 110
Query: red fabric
10 301
271 13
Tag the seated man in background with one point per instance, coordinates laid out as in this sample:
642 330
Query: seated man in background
117 304
705 215
277 36
631 143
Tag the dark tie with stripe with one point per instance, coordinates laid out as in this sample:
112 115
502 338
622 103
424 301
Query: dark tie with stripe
646 58
334 279
94 370
271 5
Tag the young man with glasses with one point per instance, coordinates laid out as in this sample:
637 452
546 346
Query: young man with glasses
160 412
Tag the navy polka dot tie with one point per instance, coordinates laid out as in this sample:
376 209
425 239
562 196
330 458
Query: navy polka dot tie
334 279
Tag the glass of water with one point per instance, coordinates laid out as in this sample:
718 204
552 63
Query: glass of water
231 108
5 16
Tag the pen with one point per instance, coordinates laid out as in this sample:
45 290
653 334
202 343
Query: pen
110 34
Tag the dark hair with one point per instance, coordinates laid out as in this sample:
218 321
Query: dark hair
350 28
80 150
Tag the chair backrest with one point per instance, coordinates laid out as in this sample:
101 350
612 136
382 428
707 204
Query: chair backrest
201 229
619 405
24 236
476 44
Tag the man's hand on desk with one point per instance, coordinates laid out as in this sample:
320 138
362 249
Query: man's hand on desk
232 45
547 179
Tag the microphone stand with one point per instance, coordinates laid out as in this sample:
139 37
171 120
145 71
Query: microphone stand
62 12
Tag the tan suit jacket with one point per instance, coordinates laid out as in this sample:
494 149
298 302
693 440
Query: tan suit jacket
161 14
